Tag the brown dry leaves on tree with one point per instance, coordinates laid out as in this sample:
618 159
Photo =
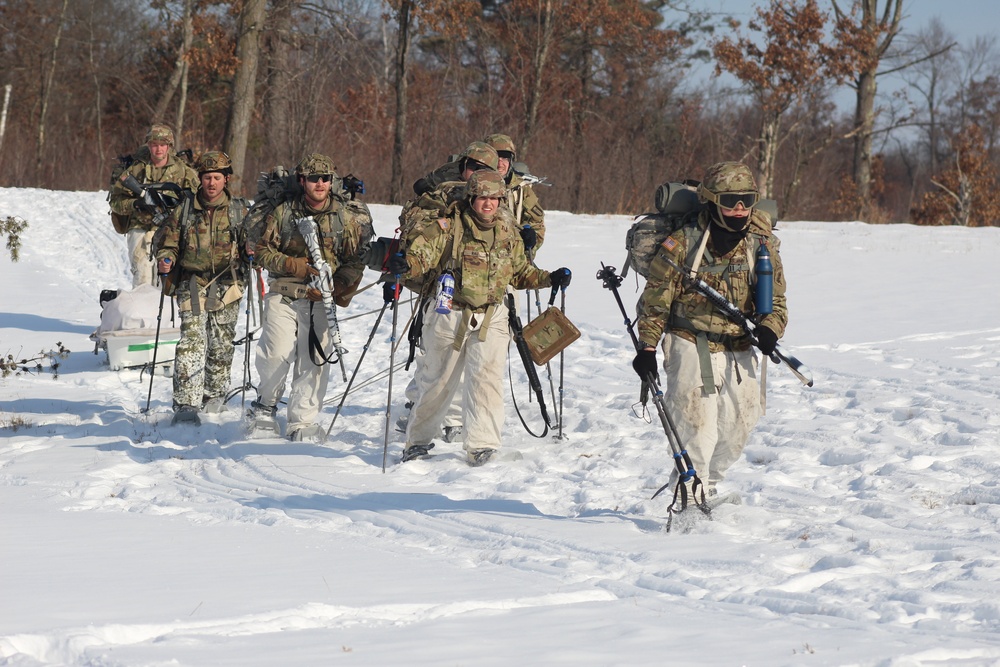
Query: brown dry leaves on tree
965 190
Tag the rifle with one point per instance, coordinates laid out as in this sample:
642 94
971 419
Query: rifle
324 283
151 198
729 309
529 365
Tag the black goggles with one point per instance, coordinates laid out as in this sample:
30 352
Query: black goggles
473 165
732 199
316 178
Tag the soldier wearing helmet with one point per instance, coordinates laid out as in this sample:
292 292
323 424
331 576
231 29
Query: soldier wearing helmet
521 198
295 334
713 377
473 240
199 248
153 163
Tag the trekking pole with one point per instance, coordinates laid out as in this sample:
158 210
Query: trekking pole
562 307
394 299
378 320
682 461
156 339
247 340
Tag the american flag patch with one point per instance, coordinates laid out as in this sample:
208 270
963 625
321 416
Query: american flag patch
670 243
443 224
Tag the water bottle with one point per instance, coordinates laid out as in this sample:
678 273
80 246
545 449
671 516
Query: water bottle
446 290
764 290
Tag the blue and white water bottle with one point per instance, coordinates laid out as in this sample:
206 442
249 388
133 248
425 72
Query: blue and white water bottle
764 289
446 290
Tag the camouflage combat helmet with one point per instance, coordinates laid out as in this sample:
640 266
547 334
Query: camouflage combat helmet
213 161
160 133
503 144
483 153
485 183
727 178
315 164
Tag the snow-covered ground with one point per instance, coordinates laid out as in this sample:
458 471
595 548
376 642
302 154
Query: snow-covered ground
867 533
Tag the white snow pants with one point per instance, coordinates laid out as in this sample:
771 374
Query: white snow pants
439 377
714 428
284 344
143 268
454 415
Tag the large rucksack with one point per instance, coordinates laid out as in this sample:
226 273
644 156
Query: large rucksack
676 205
273 188
424 210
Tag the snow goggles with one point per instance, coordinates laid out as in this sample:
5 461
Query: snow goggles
316 178
731 199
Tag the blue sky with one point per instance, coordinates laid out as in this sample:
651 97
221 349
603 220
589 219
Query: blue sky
967 19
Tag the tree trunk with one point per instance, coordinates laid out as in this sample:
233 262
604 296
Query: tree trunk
767 144
251 25
3 114
864 120
399 136
46 91
181 104
542 48
278 110
187 38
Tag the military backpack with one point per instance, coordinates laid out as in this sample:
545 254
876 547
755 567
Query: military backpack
676 205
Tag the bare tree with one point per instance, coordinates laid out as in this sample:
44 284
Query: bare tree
47 90
791 67
251 24
870 37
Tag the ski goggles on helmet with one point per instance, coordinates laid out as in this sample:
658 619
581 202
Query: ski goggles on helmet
316 178
731 199
475 165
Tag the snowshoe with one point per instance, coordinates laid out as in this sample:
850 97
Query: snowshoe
416 452
477 457
312 432
262 421
186 414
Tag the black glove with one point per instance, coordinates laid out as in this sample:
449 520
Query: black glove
398 265
529 237
766 340
144 207
388 292
645 363
560 278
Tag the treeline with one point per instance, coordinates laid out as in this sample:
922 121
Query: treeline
599 95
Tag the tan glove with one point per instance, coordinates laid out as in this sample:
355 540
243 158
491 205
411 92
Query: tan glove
300 267
314 294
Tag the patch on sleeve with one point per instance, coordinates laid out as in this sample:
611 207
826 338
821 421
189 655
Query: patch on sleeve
670 243
443 224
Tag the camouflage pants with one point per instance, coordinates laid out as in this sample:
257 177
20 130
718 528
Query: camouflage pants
204 357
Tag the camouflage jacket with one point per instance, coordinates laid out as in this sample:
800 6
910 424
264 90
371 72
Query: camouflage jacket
523 202
345 234
123 201
666 306
484 262
207 244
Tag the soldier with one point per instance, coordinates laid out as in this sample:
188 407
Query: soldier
477 156
155 165
714 389
293 312
477 242
521 198
201 242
